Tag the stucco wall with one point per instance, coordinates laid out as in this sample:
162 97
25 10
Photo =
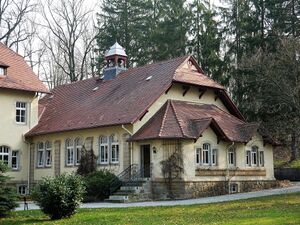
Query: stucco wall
11 133
93 134
189 158
176 93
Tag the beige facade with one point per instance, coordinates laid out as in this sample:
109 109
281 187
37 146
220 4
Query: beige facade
12 132
130 153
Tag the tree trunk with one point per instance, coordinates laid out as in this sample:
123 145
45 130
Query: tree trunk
293 148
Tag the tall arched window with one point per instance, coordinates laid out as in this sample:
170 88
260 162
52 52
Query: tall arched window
4 154
40 154
254 153
69 152
48 155
205 154
78 147
114 149
103 150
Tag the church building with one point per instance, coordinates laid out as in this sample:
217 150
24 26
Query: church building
135 120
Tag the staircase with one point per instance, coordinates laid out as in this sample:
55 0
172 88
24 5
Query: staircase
130 186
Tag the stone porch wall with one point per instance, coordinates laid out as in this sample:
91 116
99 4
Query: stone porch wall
195 189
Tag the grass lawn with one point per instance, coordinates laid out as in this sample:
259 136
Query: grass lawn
281 209
285 164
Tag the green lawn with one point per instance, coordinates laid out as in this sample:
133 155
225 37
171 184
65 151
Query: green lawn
283 209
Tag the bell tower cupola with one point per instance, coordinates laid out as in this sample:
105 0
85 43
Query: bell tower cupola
116 59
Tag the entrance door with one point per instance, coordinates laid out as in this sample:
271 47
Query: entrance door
145 161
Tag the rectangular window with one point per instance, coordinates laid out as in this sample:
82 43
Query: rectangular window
115 153
48 157
15 160
248 158
40 155
4 154
21 112
70 156
231 157
198 156
261 158
233 188
214 157
104 154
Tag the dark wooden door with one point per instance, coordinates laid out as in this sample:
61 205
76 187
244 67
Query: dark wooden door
145 160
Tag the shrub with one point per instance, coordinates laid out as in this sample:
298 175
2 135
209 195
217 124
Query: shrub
88 162
97 185
60 196
8 195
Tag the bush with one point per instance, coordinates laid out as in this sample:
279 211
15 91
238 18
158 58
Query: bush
88 162
8 195
60 196
97 185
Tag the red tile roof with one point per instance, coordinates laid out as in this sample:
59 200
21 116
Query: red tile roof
123 100
180 119
19 75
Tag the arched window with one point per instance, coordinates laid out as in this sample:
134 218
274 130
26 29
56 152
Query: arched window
4 154
205 154
254 153
114 149
103 150
48 154
69 152
40 154
78 147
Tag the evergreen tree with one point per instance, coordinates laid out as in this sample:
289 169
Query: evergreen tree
8 196
170 29
206 40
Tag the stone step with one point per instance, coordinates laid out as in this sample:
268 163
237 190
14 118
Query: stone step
121 198
127 192
130 188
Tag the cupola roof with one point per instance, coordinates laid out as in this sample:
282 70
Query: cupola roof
116 49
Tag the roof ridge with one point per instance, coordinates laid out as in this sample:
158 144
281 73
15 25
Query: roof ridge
164 118
176 117
155 63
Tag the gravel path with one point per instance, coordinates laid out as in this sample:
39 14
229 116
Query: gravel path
223 198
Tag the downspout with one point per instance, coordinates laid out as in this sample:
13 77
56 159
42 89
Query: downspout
28 143
227 176
130 144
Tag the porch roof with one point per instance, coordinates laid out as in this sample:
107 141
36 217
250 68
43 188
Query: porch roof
186 120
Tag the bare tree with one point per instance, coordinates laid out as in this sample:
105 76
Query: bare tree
14 16
70 37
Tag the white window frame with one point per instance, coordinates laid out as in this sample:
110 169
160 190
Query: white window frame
231 157
15 154
40 154
21 107
114 150
214 157
198 156
69 152
254 153
48 154
248 158
206 150
78 148
261 158
4 153
103 150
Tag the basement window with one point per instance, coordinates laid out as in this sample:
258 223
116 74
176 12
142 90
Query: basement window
233 188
